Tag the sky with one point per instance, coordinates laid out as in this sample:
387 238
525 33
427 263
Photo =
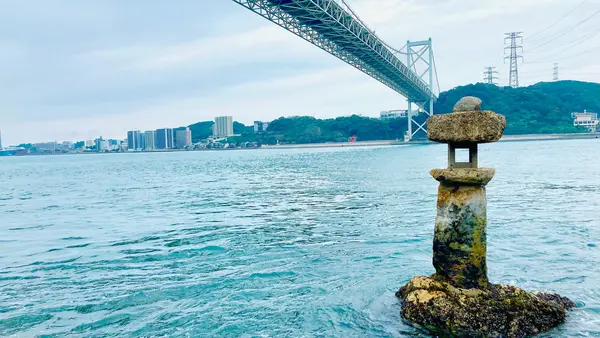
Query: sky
77 70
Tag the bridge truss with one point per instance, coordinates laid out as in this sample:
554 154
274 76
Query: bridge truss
336 29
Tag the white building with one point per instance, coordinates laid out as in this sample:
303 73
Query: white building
67 145
223 126
260 126
393 114
48 146
103 145
586 119
184 138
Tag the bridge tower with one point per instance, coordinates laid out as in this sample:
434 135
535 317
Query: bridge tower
419 59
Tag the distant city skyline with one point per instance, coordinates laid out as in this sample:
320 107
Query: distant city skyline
159 139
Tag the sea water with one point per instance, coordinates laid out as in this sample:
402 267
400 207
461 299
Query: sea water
285 243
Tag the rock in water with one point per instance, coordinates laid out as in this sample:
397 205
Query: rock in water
495 311
467 103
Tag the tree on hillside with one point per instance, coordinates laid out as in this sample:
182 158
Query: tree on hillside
201 130
542 108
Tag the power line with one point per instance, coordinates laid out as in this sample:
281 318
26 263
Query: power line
570 45
557 21
554 37
570 56
513 78
489 75
574 42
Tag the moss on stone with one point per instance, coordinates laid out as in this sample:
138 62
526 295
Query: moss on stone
459 244
434 304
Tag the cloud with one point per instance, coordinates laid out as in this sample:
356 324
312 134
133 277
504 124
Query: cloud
333 92
211 52
10 51
102 67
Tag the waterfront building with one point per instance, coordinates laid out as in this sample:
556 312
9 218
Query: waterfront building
184 138
223 126
67 145
260 126
133 140
150 140
393 114
89 143
161 138
170 138
142 144
1 140
176 134
586 119
101 144
46 146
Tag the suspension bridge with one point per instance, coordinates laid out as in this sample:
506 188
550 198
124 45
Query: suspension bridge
335 28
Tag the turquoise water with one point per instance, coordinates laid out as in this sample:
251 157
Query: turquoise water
287 243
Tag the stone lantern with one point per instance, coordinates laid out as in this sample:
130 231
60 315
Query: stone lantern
459 245
458 300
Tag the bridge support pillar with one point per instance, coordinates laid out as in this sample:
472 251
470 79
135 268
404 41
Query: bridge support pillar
420 60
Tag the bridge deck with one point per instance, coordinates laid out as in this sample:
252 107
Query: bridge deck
328 26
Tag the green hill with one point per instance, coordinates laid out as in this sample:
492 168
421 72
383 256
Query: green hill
545 107
541 108
305 129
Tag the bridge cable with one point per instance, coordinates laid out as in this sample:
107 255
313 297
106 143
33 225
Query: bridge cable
371 30
437 80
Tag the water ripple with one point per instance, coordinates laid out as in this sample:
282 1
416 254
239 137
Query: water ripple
297 242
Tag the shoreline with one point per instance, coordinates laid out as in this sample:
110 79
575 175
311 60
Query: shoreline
505 138
546 137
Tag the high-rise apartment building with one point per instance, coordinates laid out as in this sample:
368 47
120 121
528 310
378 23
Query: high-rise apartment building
223 126
142 143
150 140
170 138
1 140
175 134
100 144
184 138
164 138
133 140
161 138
